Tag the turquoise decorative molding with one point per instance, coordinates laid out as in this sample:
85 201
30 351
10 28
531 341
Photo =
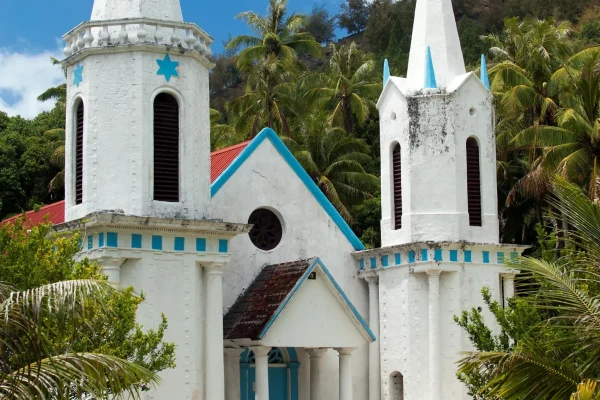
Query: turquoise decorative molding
157 242
500 258
398 258
101 239
179 244
167 68
385 261
454 255
411 257
468 256
223 245
78 75
438 255
90 242
200 244
112 239
373 263
486 257
136 241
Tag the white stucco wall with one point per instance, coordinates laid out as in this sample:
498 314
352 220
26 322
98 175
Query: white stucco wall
404 324
168 10
118 91
266 180
432 128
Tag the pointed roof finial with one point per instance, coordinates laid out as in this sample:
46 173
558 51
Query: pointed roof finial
435 26
386 72
430 81
484 73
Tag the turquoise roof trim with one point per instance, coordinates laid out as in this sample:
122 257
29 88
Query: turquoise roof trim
484 73
269 134
386 72
315 264
430 81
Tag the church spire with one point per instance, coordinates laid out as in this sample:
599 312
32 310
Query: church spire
435 27
167 10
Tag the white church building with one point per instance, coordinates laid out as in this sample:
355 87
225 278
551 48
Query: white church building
268 292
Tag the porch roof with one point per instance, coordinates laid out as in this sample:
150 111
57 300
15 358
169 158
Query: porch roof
296 304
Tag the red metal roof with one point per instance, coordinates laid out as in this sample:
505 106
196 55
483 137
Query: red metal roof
55 213
219 161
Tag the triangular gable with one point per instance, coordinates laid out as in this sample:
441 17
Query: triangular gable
269 134
335 289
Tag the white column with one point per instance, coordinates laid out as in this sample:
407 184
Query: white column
435 354
232 373
261 357
345 355
111 267
315 373
508 287
374 356
215 375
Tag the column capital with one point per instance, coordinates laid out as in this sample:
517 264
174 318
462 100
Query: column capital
344 351
510 274
316 352
260 351
434 272
372 279
110 262
233 352
214 268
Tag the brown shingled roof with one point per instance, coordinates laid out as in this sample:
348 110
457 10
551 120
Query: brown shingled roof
254 308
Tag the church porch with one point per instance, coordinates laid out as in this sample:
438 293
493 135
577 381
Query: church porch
280 330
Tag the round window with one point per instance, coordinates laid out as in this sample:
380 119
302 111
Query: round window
266 232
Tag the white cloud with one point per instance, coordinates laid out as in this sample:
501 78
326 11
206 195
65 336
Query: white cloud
25 76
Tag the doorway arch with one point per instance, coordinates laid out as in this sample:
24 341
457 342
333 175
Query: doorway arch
283 374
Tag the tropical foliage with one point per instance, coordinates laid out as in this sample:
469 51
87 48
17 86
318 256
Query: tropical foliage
36 330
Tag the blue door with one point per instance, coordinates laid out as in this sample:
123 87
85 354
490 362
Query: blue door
283 372
278 383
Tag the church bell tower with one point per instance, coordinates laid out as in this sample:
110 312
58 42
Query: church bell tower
137 178
137 112
439 225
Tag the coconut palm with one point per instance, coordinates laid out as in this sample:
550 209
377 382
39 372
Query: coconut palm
274 35
335 161
349 86
566 352
36 328
58 93
572 149
221 134
268 100
527 53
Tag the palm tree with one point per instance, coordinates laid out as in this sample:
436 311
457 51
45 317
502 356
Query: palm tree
572 149
32 365
58 93
566 352
335 162
275 35
268 100
349 87
221 134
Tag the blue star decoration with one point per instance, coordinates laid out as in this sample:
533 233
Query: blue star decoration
78 75
167 68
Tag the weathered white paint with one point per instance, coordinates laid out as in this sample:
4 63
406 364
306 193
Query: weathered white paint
214 363
232 372
111 267
266 180
314 317
374 359
168 10
262 371
345 356
316 376
118 91
508 289
435 346
435 27
432 128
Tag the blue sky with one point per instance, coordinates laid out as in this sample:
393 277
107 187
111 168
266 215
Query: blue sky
30 33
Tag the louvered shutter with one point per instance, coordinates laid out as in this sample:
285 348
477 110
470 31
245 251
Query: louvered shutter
166 148
473 183
79 154
397 172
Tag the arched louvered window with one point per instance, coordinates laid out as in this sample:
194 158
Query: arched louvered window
166 148
397 176
473 182
79 153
